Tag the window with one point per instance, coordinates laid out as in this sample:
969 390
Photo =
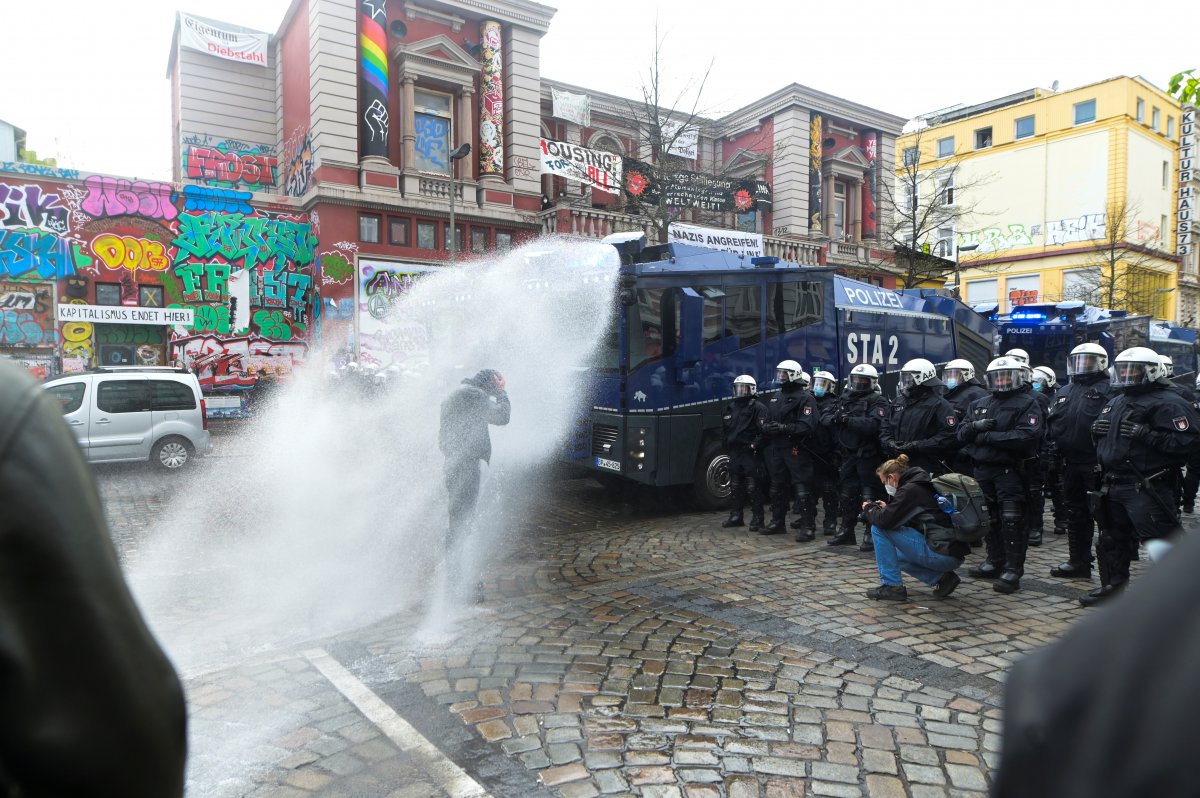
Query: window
911 158
108 293
795 305
1155 118
169 395
983 138
1085 112
69 395
712 311
646 322
398 232
458 240
910 198
946 190
982 291
945 243
746 222
1082 285
426 235
150 296
1170 127
1023 128
1141 110
743 314
479 239
503 241
123 396
368 229
431 119
1162 227
839 211
946 147
1166 174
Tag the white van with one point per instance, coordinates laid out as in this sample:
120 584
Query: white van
128 413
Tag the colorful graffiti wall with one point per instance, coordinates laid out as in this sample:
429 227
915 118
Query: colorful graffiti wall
247 272
385 336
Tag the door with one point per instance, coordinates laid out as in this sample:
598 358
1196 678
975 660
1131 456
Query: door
121 420
76 407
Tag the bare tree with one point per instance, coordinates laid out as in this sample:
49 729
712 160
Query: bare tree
1126 270
930 201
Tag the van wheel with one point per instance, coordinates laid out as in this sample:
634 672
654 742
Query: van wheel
711 486
171 454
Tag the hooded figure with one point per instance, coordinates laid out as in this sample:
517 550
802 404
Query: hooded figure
91 704
464 440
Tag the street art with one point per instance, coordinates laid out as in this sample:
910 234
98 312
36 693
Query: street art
253 240
491 99
129 334
109 196
1088 227
229 168
335 268
386 337
996 239
26 315
28 206
197 199
35 254
125 252
373 77
238 363
815 143
33 297
20 328
39 170
299 173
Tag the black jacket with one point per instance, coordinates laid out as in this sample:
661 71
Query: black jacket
1075 407
466 414
796 410
1174 432
823 442
1018 433
89 705
915 505
963 396
924 424
865 414
741 424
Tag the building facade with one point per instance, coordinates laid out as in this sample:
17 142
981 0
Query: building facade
1066 195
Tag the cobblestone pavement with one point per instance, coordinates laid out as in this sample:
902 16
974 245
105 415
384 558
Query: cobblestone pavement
631 652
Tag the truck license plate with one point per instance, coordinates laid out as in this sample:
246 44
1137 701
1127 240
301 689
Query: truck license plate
611 465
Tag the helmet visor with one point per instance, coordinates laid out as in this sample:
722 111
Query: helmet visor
860 382
823 382
1005 379
1128 374
743 389
908 381
958 375
783 375
1085 363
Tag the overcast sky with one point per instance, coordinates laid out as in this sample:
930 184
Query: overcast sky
87 78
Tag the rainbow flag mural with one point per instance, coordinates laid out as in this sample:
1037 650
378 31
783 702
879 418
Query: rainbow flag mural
373 69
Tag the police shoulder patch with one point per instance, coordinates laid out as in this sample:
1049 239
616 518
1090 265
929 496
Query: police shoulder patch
1181 423
1033 420
808 411
950 420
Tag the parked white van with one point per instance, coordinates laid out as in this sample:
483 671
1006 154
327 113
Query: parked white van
128 413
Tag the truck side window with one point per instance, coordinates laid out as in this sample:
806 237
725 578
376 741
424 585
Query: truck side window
743 313
646 327
794 305
712 311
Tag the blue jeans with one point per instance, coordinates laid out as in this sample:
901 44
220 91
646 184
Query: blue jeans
905 549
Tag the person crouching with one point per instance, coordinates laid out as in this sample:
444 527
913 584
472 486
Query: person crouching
912 534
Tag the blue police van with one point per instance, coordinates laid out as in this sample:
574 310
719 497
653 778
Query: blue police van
689 320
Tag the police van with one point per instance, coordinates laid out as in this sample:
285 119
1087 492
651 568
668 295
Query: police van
690 319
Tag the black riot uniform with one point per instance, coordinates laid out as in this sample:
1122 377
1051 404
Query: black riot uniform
741 434
1190 482
856 420
790 423
961 397
1036 508
825 462
1003 432
1069 428
922 425
1144 435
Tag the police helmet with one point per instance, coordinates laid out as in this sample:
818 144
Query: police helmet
916 372
1087 359
1137 365
823 382
1045 377
1019 355
1168 365
805 380
1005 374
958 372
744 385
789 371
863 377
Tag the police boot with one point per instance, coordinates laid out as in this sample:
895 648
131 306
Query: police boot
734 519
1034 537
844 537
1059 529
1008 582
756 518
1101 594
985 570
1072 570
1012 528
806 509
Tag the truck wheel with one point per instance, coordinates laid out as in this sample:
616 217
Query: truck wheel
711 486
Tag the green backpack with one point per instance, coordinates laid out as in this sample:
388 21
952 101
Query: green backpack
962 499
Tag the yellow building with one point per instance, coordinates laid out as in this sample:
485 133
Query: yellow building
1046 196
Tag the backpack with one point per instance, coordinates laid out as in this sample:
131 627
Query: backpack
962 499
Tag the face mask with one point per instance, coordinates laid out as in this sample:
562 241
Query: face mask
891 489
1037 386
818 392
952 383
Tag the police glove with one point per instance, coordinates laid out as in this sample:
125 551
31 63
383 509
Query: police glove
984 425
1134 430
841 418
772 427
1100 427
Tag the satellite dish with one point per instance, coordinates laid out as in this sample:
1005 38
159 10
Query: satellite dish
1054 86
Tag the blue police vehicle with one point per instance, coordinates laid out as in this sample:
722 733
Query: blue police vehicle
689 320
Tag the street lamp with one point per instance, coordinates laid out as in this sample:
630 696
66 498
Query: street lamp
957 277
462 152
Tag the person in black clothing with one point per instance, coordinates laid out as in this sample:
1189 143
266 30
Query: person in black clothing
91 704
962 389
1190 481
922 424
741 434
856 420
1050 461
1003 431
1035 508
790 422
824 391
1144 435
1069 428
464 440
912 534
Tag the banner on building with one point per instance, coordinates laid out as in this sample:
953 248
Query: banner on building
223 41
1184 209
696 190
491 99
576 108
815 144
748 244
125 314
680 140
600 170
870 192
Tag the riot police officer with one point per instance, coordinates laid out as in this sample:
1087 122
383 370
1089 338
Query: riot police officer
1045 383
922 424
856 421
823 450
1036 507
963 388
1143 436
1068 427
741 434
790 421
1191 480
1002 432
